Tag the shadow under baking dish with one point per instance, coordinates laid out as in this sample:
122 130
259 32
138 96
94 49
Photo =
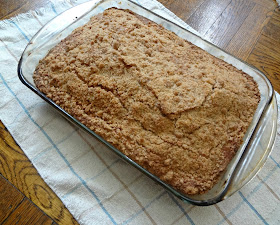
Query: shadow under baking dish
260 135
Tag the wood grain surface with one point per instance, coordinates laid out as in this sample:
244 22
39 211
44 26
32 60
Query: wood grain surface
17 209
27 213
10 198
19 171
248 29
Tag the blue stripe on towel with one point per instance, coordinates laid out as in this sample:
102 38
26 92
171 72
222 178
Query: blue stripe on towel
144 208
253 208
57 150
53 8
182 209
45 151
89 179
277 164
21 31
233 211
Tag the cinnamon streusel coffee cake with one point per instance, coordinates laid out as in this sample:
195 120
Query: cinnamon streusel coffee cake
168 105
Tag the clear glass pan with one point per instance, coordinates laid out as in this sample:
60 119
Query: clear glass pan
258 140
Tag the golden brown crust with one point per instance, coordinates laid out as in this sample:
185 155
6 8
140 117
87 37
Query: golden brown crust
168 105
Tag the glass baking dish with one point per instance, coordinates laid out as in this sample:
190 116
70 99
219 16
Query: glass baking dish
258 140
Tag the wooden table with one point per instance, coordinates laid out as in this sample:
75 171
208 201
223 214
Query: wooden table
249 29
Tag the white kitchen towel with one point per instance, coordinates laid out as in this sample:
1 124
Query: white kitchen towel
93 183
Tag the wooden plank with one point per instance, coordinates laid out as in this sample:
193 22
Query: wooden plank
276 14
266 57
269 46
244 40
16 167
206 14
182 8
27 213
17 209
226 26
269 4
272 30
10 198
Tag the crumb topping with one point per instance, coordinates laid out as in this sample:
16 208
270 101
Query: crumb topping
168 105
